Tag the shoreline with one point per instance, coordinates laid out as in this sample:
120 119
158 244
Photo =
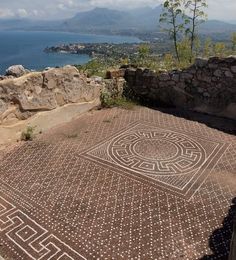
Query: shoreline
29 51
75 33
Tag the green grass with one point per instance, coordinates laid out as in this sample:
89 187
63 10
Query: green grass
28 134
124 103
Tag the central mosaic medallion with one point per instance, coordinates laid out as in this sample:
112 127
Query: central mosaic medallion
155 149
172 160
158 152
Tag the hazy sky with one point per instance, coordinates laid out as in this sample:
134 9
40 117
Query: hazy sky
58 9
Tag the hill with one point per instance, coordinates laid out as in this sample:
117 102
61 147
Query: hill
108 21
101 19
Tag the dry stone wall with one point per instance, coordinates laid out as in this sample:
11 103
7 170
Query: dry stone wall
208 86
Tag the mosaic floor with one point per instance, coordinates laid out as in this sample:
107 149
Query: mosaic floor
120 184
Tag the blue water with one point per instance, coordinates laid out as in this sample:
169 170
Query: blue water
26 48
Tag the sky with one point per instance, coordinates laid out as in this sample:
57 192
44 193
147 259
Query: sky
60 9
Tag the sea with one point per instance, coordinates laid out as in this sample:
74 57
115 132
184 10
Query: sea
27 48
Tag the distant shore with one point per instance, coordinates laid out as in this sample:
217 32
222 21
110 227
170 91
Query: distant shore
29 50
96 49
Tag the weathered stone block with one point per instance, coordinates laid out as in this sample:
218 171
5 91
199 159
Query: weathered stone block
195 83
186 75
200 90
111 74
218 73
206 94
164 77
233 69
206 78
212 66
201 62
171 83
175 77
131 72
229 74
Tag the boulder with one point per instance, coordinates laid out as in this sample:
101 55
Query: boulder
71 84
47 90
16 71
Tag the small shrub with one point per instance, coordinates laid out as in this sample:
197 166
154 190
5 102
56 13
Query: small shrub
106 99
124 103
28 134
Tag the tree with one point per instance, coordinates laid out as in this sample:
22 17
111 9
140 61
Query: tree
144 51
233 38
143 56
219 49
194 16
168 61
172 16
184 51
208 47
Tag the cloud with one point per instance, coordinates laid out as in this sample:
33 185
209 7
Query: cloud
61 6
59 9
123 4
22 13
222 9
6 13
35 12
67 4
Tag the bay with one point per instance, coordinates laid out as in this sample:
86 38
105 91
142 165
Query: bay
26 48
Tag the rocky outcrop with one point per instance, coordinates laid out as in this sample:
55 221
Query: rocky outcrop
21 98
208 86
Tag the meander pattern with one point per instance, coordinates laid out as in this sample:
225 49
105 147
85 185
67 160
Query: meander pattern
146 185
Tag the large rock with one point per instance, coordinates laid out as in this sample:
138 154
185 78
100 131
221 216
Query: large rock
45 91
70 86
16 71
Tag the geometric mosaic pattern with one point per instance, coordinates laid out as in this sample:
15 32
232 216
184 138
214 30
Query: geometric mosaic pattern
34 240
120 184
168 158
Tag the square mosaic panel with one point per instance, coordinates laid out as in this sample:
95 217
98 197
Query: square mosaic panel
169 159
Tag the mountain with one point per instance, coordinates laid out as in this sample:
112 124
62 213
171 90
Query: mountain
215 26
141 19
100 19
108 21
232 21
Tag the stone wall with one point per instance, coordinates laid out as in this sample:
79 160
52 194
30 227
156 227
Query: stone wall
23 97
208 86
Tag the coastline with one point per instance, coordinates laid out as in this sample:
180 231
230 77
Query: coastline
29 50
